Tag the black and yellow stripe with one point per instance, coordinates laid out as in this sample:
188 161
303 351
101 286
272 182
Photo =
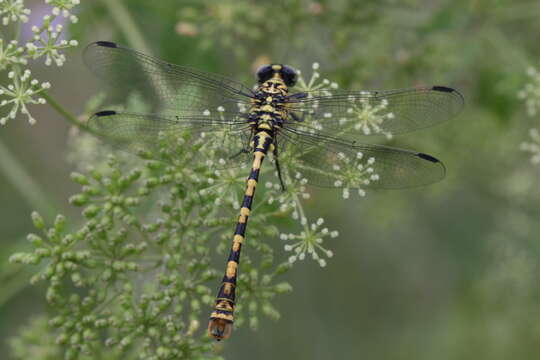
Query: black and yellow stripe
222 318
265 117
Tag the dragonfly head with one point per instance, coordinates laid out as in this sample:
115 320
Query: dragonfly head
284 73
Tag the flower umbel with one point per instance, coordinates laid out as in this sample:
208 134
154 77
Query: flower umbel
11 53
354 172
13 11
49 45
19 94
367 117
46 43
309 242
314 86
63 7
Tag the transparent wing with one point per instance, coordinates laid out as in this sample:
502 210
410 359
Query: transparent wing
162 85
328 162
350 115
218 140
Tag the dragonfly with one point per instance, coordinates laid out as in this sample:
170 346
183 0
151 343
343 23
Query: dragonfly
322 131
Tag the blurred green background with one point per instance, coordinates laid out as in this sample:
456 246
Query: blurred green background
442 272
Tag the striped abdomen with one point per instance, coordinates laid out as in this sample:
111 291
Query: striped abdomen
222 318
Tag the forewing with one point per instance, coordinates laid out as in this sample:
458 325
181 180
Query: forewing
350 115
217 140
163 86
328 162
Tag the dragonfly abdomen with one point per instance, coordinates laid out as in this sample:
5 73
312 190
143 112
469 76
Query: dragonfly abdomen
222 318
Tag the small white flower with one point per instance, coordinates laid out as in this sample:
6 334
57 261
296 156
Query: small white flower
19 94
309 241
353 172
314 87
47 43
531 92
533 147
13 11
368 114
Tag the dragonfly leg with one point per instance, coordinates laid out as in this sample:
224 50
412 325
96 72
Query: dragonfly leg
242 151
299 95
298 118
276 158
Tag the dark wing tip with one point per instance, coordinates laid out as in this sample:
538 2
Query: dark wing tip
428 157
105 113
436 175
436 163
92 49
460 100
106 44
447 89
443 89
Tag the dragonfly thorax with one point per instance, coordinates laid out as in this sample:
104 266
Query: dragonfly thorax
268 108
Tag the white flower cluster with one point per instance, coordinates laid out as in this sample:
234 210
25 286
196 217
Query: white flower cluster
20 93
13 11
47 43
295 189
313 86
11 53
309 242
531 92
533 147
354 173
64 7
366 116
49 46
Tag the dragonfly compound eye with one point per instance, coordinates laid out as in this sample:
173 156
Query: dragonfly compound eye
264 73
289 75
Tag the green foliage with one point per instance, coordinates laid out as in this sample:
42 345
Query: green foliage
137 275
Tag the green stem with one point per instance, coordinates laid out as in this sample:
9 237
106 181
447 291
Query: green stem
127 25
23 182
66 114
60 109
